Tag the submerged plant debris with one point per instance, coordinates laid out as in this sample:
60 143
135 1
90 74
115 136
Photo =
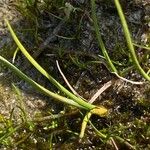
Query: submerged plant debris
64 31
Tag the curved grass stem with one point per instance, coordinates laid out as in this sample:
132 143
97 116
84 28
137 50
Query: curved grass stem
38 86
99 38
84 124
45 73
129 41
96 110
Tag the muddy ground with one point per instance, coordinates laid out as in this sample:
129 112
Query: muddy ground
74 45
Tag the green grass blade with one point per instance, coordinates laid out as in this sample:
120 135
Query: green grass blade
21 103
84 124
99 38
40 69
37 86
141 46
129 40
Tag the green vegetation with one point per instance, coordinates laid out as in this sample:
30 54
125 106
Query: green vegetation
116 121
129 41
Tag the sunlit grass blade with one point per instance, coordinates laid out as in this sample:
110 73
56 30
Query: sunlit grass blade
14 56
141 46
129 41
37 86
84 124
99 38
148 72
51 79
98 110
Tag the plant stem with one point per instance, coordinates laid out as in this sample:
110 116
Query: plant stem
99 38
37 86
100 110
47 75
84 124
129 41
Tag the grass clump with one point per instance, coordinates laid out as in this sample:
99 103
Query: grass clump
81 124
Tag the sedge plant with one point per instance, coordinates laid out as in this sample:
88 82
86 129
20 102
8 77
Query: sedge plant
70 98
129 41
127 35
99 38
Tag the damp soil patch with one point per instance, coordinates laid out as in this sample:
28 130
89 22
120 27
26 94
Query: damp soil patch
64 31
